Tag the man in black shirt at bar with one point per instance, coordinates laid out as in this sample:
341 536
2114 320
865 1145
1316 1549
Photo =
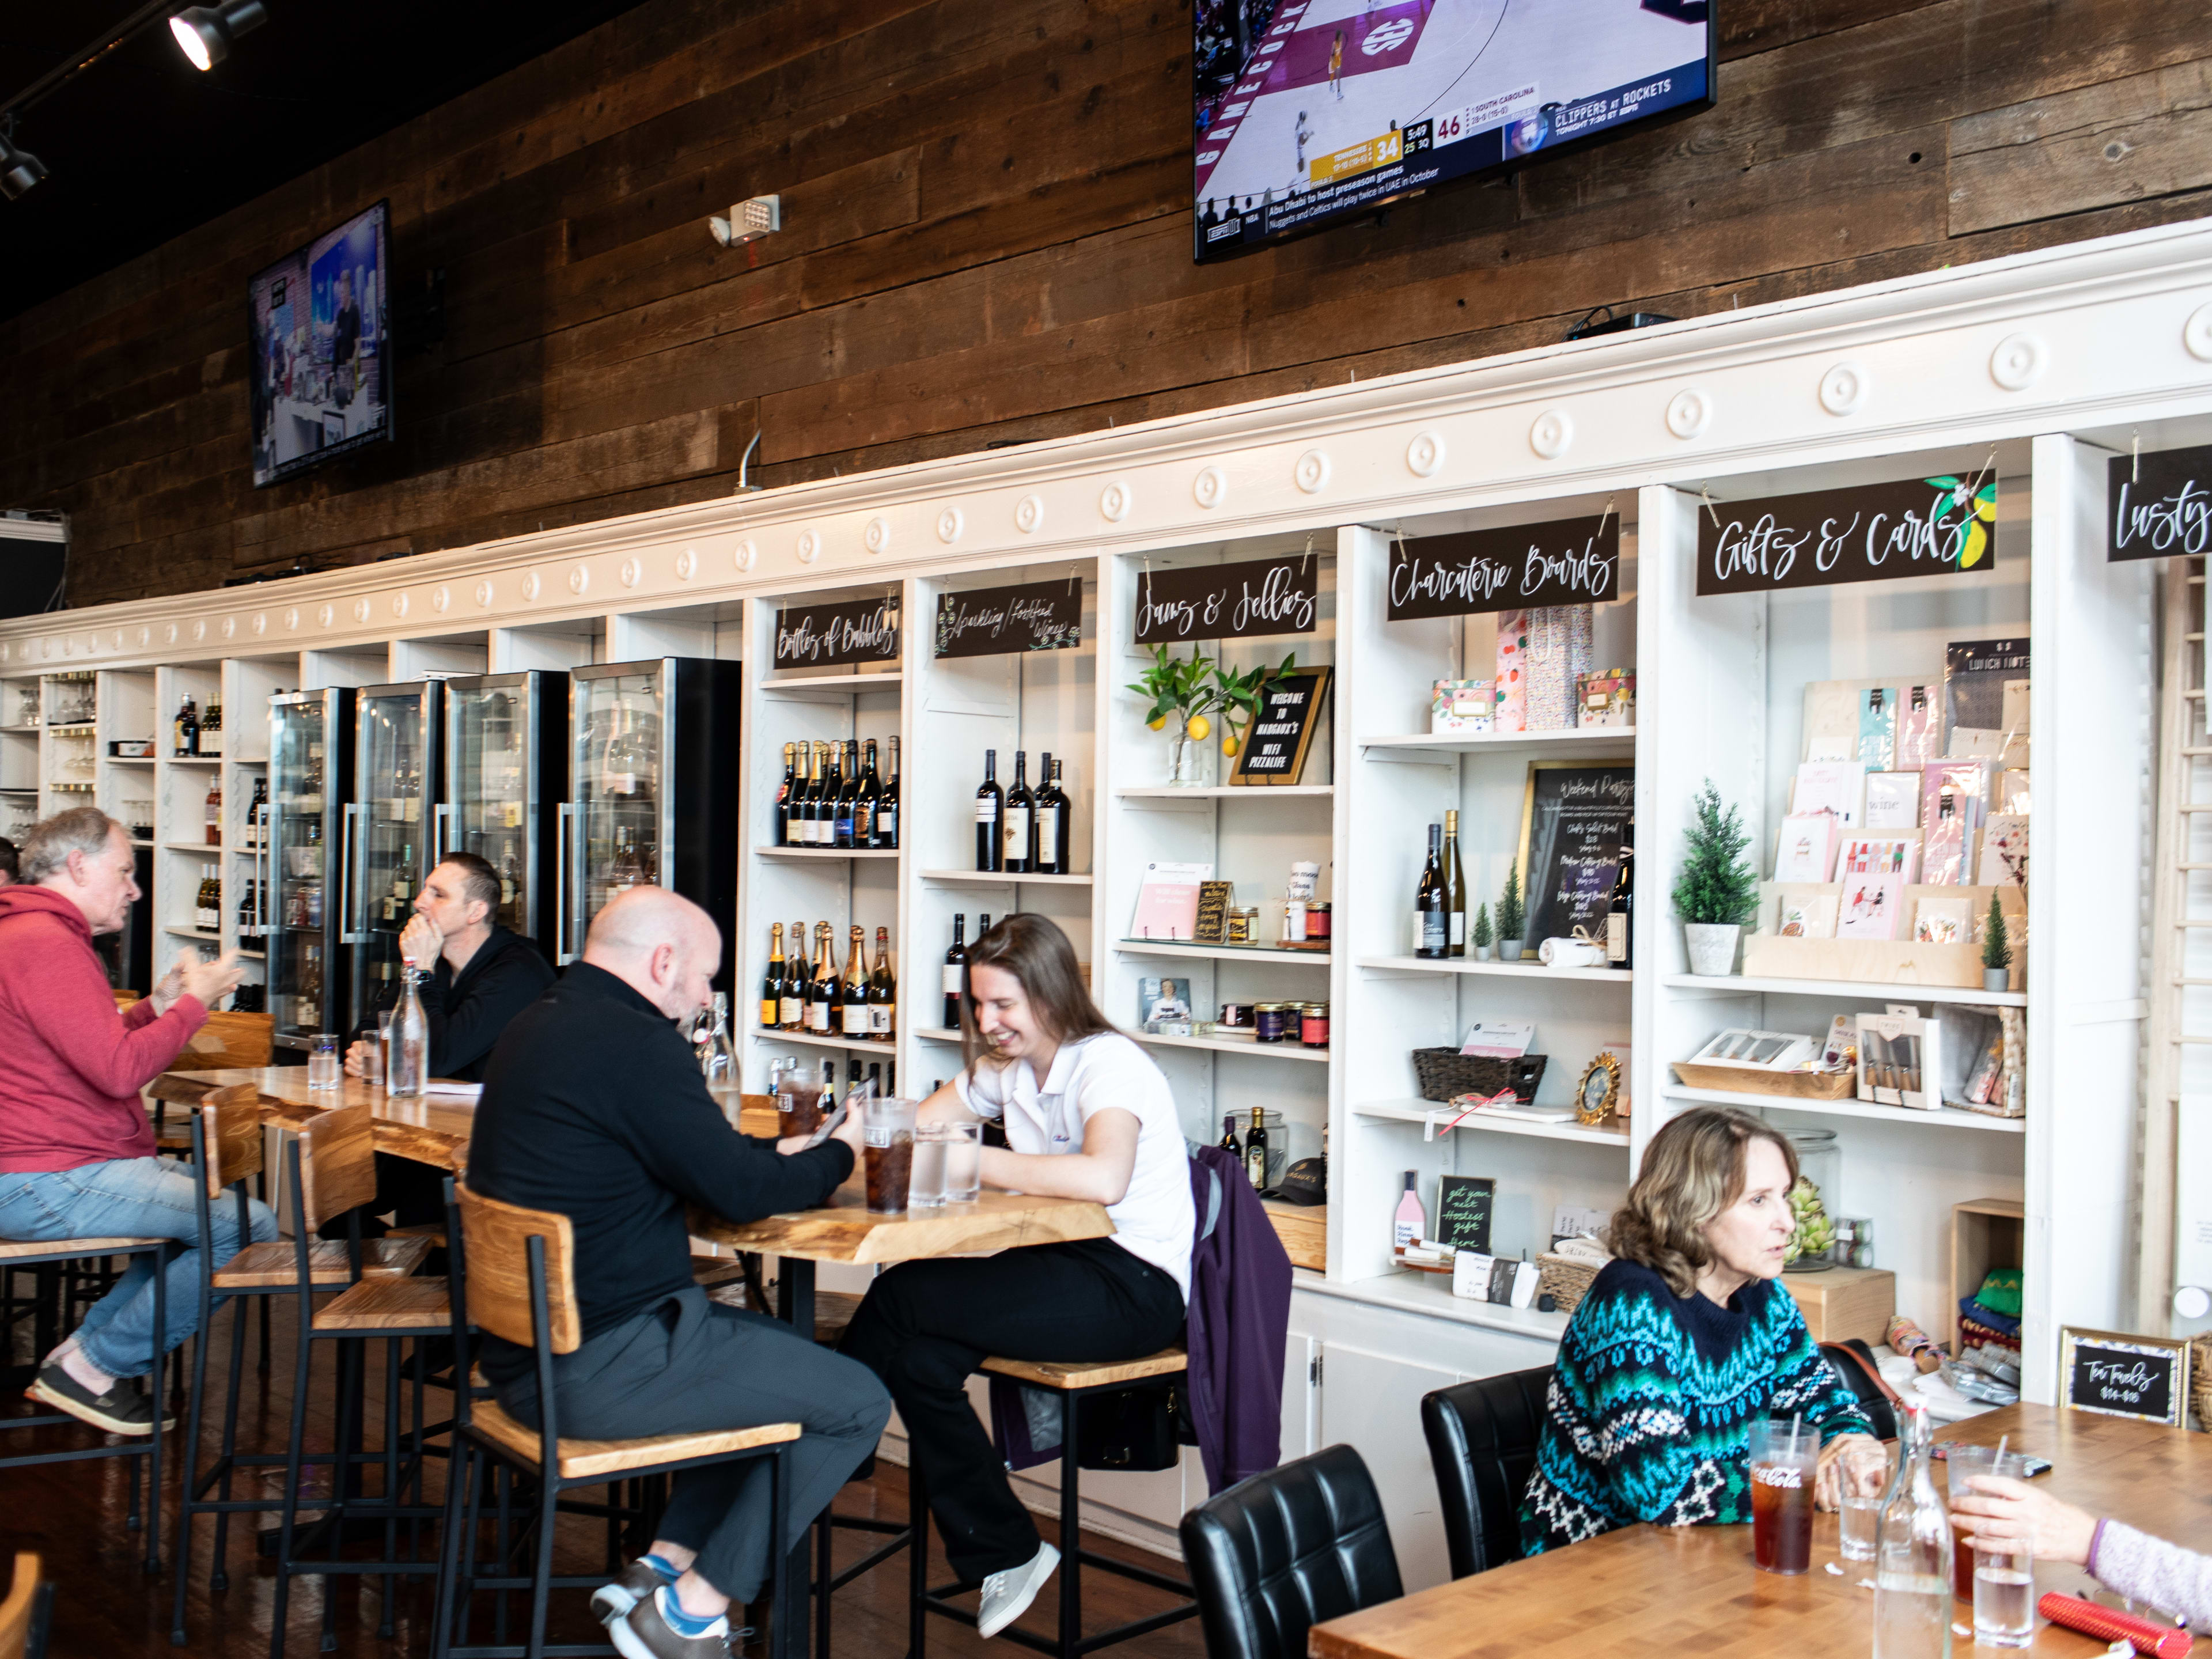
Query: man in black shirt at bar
593 1108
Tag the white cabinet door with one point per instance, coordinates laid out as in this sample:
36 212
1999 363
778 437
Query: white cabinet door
1372 1403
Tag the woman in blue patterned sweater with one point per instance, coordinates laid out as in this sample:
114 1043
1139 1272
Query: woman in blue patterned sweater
1682 1342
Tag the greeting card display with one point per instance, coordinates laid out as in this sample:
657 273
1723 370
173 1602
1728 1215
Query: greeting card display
1877 728
1892 801
1832 722
1919 730
1838 786
1807 849
1801 910
1946 920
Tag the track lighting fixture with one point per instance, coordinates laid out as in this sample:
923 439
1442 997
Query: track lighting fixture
204 33
19 168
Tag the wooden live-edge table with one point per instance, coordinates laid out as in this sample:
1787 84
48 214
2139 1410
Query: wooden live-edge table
1693 1590
432 1129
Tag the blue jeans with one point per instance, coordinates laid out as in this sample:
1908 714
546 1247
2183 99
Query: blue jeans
133 1198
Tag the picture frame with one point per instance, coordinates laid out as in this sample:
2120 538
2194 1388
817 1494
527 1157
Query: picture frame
2121 1374
1598 1092
1262 762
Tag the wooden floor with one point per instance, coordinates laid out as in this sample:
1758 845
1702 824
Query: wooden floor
73 1514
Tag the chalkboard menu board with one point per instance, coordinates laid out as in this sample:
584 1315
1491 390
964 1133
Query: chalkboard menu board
1575 819
2120 1376
1229 601
2161 504
1871 532
818 635
1275 747
1463 1212
988 621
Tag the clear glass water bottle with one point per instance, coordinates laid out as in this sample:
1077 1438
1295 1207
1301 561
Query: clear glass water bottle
718 1062
1912 1578
411 1038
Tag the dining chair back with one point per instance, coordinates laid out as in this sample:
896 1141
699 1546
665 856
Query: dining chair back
498 1286
1482 1439
23 1615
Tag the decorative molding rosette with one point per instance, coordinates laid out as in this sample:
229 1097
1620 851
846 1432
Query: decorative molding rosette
1424 456
2018 362
2196 334
169 634
1311 473
199 627
877 536
145 636
360 609
1114 502
579 578
484 591
950 524
743 556
400 602
632 571
1211 488
1689 412
1029 513
809 546
441 599
1844 388
531 586
260 624
1551 434
687 564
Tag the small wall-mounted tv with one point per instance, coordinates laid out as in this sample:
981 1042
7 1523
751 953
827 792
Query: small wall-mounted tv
1308 112
321 375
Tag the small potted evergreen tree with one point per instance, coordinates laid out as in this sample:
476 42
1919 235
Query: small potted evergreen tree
1996 950
1717 892
1512 917
1482 934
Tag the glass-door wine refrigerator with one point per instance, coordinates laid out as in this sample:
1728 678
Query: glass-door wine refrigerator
310 771
389 824
507 771
653 791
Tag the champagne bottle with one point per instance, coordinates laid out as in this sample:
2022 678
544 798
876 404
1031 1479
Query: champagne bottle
1052 853
1620 909
849 794
853 1000
833 787
822 995
886 828
863 805
955 968
802 811
784 794
1255 1152
1455 887
990 849
1431 922
791 1001
1018 823
771 996
883 992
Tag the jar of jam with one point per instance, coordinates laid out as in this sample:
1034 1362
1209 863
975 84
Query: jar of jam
1317 920
1277 1021
1313 1025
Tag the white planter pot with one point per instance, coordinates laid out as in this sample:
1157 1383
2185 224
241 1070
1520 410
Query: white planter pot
1712 947
1509 950
1996 979
1482 953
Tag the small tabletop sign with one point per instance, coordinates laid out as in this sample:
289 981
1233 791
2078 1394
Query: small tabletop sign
1228 601
1212 924
1566 562
987 621
1872 532
1274 751
2117 1375
2161 504
1463 1212
818 635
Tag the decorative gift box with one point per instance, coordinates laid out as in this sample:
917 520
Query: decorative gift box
1462 706
1606 698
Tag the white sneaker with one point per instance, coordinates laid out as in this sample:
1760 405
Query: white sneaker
1007 1595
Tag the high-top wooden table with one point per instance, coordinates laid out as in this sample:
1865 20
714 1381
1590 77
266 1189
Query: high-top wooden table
1693 1590
430 1128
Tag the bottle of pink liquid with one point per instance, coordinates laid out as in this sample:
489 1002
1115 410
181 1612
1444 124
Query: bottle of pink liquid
1411 1220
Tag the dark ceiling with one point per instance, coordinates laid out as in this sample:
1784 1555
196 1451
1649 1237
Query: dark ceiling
141 146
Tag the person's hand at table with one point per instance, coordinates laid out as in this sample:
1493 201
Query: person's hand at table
1996 1512
1828 1471
357 1059
420 941
210 981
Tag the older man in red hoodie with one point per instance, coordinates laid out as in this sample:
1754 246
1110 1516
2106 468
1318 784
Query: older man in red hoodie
77 1151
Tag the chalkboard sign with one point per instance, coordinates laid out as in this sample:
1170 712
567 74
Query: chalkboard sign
1574 821
1274 751
2161 504
1566 561
1873 532
988 621
1229 601
2117 1375
1463 1212
818 635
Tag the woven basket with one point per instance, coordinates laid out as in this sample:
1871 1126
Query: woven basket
1442 1073
1565 1279
2200 1379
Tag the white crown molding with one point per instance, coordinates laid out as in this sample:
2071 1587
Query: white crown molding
2087 334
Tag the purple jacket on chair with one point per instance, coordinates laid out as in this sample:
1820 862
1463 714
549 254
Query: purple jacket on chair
1239 1323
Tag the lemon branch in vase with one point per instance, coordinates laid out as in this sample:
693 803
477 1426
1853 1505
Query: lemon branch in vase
1188 693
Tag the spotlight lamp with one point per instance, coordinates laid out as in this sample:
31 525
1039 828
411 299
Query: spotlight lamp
204 33
19 168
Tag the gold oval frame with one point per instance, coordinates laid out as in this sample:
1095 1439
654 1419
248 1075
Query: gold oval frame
1610 1067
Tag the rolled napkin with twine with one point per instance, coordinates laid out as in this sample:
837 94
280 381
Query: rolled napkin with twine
1579 951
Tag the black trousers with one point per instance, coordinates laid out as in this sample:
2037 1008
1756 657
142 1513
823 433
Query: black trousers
694 1364
926 1327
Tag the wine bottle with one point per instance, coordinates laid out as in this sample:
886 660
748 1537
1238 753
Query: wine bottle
1255 1152
863 805
956 970
771 996
1620 909
848 792
833 786
990 849
810 808
187 729
1051 858
883 992
1229 1138
822 992
853 1000
1018 820
887 805
784 792
1454 887
1432 923
215 810
791 1001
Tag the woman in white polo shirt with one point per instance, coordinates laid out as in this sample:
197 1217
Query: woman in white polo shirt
1087 1114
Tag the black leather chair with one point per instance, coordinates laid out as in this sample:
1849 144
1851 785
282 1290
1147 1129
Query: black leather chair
1281 1552
1482 1438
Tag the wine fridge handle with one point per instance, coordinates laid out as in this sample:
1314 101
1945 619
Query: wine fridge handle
564 848
348 933
441 839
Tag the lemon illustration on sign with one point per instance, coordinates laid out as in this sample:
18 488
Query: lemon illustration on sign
1201 727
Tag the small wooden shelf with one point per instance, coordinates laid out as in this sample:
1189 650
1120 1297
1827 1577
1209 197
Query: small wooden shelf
1527 967
207 847
856 1045
1949 1117
1235 1046
192 933
1417 1111
999 879
802 854
1442 748
191 760
1717 985
28 730
1144 947
1228 792
831 685
936 1034
128 760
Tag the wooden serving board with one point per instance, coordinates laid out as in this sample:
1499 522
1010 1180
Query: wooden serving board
1783 1085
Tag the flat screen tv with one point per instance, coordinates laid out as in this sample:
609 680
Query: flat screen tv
322 356
1307 112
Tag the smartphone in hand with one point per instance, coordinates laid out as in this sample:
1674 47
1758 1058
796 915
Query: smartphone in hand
830 1125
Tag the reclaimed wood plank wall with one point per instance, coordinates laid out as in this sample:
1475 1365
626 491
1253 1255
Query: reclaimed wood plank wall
989 240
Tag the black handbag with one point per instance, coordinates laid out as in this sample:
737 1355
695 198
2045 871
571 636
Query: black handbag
1133 1428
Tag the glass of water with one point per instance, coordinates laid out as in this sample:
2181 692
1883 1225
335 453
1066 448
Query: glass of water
2004 1578
1864 1470
964 1162
372 1058
926 1187
325 1070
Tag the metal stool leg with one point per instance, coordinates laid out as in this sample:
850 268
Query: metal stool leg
1071 1530
917 1509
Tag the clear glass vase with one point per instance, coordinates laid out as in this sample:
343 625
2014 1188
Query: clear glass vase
1190 759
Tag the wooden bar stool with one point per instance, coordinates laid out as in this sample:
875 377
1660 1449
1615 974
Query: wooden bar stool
1074 1384
513 1273
26 1614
